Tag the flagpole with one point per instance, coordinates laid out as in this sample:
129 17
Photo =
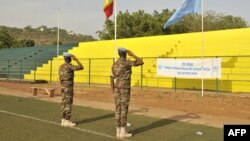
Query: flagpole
58 30
115 42
58 36
202 49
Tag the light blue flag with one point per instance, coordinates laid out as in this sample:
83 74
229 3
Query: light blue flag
188 6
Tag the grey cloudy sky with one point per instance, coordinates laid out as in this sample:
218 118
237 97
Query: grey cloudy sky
86 16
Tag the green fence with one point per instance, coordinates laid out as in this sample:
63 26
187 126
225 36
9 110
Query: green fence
235 73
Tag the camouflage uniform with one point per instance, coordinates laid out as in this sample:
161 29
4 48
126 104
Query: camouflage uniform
66 74
121 72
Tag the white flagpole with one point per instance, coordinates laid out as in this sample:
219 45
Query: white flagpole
58 40
202 49
58 30
115 43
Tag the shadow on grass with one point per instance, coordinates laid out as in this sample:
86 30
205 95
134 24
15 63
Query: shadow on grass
95 118
108 116
163 122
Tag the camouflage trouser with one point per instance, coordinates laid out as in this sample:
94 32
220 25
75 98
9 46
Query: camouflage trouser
122 97
67 101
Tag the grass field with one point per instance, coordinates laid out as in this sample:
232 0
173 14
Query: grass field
29 119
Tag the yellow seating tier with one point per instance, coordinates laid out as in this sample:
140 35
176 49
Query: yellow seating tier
97 58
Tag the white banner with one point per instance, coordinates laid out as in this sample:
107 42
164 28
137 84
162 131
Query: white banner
189 68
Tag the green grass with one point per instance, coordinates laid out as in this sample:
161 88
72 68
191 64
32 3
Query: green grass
101 121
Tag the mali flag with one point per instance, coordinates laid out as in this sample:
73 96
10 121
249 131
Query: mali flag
108 8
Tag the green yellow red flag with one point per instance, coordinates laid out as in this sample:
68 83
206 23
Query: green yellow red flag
108 7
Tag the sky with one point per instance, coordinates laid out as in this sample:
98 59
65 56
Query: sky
87 16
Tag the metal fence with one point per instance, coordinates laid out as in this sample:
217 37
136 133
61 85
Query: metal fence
235 73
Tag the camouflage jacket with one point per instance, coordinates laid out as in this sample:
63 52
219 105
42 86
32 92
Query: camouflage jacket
66 74
121 72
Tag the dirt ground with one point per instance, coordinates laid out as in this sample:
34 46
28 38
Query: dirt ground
219 109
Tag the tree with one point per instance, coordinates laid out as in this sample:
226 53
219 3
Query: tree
160 19
108 31
219 21
6 41
139 24
43 35
28 28
25 43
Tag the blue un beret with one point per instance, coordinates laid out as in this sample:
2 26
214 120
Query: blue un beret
66 54
122 49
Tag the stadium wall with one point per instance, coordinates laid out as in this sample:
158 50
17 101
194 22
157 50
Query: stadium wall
233 46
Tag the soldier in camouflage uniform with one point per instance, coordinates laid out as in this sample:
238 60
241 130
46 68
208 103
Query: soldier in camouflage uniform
120 83
66 77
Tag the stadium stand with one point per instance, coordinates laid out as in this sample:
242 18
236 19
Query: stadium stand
230 45
15 62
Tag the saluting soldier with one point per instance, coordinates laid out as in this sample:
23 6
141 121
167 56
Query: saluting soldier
120 80
66 77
